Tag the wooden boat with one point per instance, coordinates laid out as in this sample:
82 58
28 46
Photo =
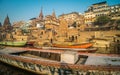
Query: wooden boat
50 62
30 43
84 45
88 50
13 43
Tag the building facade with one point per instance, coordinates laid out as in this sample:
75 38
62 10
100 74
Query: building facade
101 9
115 11
70 17
96 10
89 17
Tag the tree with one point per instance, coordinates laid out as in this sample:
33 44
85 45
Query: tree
118 24
102 20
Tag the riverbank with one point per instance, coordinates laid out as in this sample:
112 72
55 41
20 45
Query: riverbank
97 34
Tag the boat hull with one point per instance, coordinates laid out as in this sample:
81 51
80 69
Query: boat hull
30 43
13 43
92 50
49 67
85 45
52 68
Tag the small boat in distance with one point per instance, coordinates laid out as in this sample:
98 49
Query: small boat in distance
13 43
83 45
30 42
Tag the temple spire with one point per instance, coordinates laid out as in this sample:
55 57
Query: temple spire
7 22
53 14
41 15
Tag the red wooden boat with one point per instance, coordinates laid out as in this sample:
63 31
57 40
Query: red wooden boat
30 43
84 45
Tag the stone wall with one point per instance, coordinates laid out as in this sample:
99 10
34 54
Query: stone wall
98 34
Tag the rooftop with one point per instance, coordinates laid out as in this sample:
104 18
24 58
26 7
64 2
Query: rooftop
104 2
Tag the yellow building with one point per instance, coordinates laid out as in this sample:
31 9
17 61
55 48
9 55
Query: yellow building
70 17
96 10
51 25
100 9
115 11
74 18
89 17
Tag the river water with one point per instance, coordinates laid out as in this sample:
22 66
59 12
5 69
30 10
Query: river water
6 69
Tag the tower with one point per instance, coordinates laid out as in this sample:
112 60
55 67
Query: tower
7 24
41 15
53 14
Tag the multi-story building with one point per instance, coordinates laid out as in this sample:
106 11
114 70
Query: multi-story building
115 11
89 17
51 26
70 25
51 22
74 20
17 25
115 8
100 8
70 17
96 10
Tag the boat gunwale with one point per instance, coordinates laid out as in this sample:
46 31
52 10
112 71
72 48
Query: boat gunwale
61 51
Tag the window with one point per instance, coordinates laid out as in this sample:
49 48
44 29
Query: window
112 7
112 10
116 6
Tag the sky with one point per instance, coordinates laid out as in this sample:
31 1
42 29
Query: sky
18 10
